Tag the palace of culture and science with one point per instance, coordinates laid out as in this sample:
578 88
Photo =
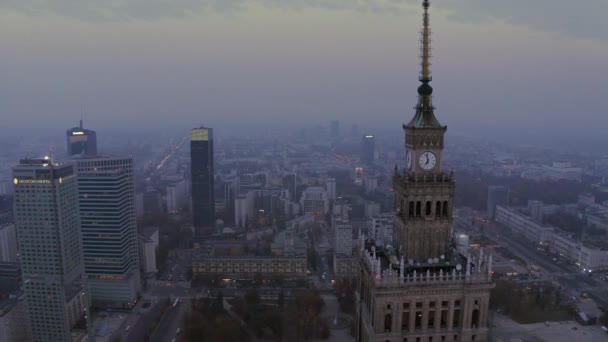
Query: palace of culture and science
420 289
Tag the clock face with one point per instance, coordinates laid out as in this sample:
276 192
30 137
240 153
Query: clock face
408 159
427 160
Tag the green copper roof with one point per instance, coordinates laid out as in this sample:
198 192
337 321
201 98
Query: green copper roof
424 118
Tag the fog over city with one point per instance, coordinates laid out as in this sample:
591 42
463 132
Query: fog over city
514 71
291 170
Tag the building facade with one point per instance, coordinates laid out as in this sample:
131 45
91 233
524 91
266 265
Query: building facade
106 189
368 148
380 228
8 243
314 201
344 237
81 141
47 220
422 289
497 195
524 225
147 250
202 177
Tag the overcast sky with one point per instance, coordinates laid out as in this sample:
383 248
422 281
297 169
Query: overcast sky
507 68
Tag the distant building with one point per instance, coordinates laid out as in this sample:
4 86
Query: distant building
497 195
176 196
14 320
229 259
148 243
106 187
380 228
152 202
314 201
537 211
344 237
48 232
202 173
371 184
368 148
334 129
8 243
372 209
522 224
330 187
81 141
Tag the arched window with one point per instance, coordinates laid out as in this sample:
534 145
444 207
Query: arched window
388 322
445 209
438 209
428 208
418 209
475 319
411 211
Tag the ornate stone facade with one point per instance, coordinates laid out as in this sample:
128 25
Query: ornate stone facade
422 290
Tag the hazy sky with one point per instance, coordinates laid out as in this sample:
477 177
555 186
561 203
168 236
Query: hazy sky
515 68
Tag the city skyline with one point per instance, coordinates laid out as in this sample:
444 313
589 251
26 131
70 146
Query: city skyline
231 61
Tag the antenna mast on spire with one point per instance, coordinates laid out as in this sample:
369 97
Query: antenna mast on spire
425 75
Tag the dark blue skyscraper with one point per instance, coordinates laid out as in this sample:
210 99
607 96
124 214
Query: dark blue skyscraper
81 141
368 148
201 159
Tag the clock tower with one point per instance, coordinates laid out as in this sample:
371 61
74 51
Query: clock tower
423 192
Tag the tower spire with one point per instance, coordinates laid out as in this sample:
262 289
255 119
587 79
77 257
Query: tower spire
425 75
424 117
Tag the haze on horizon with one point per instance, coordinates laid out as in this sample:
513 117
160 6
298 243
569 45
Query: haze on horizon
515 69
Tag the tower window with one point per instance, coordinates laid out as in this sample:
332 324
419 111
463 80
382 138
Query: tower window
388 322
438 209
445 209
411 209
428 208
418 209
475 319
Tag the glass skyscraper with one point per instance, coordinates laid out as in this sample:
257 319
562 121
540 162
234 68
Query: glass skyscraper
201 159
48 233
81 141
109 230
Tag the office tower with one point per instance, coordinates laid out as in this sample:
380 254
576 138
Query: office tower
81 141
368 148
334 129
537 210
422 289
201 160
331 189
314 201
48 232
344 237
8 243
497 195
106 189
152 202
148 241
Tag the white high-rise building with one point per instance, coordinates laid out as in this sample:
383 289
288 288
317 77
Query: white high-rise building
380 228
47 221
148 245
109 230
331 189
8 243
176 196
314 201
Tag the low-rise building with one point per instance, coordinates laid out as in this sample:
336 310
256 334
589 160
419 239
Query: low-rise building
524 225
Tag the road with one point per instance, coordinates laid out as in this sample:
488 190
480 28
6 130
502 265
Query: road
571 279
